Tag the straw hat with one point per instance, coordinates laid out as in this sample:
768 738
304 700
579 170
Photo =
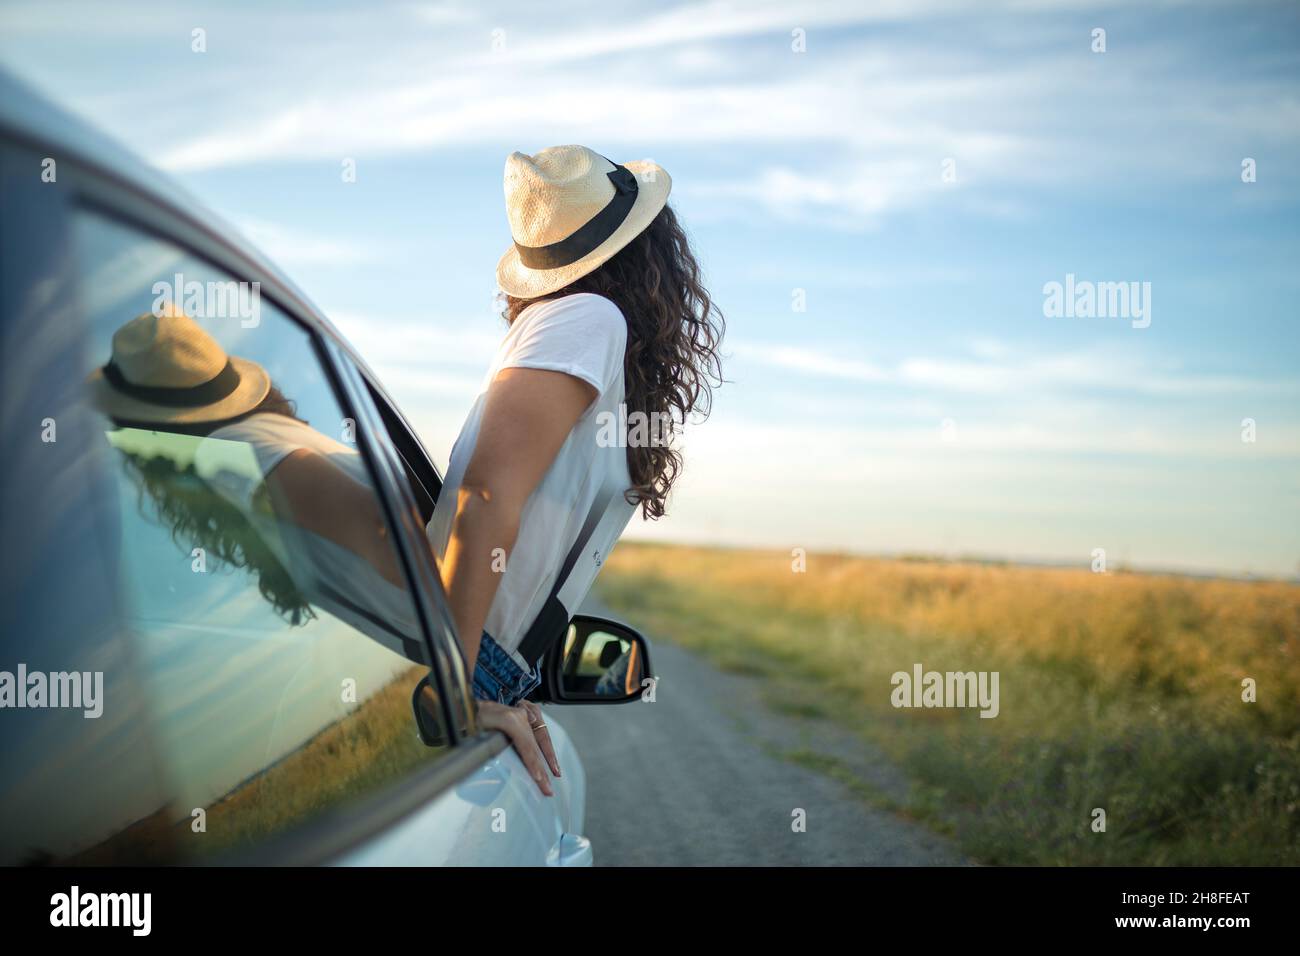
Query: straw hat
165 368
570 211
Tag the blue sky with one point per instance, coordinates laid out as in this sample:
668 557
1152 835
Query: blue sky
922 402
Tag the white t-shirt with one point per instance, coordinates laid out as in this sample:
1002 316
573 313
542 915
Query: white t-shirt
582 335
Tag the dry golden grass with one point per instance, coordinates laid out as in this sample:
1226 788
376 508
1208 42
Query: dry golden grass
1122 691
374 745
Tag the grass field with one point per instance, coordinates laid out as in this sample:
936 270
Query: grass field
355 756
1121 692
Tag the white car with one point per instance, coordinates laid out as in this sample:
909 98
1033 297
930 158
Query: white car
186 679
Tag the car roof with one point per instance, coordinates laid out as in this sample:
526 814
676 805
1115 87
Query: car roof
28 117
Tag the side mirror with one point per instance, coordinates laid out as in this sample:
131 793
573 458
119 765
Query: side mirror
597 662
428 714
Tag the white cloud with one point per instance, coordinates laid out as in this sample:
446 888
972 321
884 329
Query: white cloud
997 368
420 340
844 134
295 247
810 361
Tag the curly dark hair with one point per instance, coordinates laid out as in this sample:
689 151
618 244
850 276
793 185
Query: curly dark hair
199 517
671 365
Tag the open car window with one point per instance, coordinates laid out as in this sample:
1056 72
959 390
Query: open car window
423 477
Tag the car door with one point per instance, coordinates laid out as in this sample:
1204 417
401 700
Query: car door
500 817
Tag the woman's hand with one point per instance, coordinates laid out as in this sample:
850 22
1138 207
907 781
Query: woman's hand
526 728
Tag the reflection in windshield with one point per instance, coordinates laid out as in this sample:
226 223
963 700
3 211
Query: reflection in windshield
341 720
275 633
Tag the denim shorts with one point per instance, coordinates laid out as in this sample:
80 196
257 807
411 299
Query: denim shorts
499 677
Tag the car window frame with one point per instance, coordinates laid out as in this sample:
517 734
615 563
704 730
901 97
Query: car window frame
167 224
440 629
98 190
415 458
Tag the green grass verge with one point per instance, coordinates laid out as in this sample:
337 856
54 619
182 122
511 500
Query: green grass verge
1143 720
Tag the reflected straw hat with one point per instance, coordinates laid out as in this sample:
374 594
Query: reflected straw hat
570 211
166 369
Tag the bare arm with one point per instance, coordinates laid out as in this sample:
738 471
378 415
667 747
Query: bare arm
318 495
527 417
